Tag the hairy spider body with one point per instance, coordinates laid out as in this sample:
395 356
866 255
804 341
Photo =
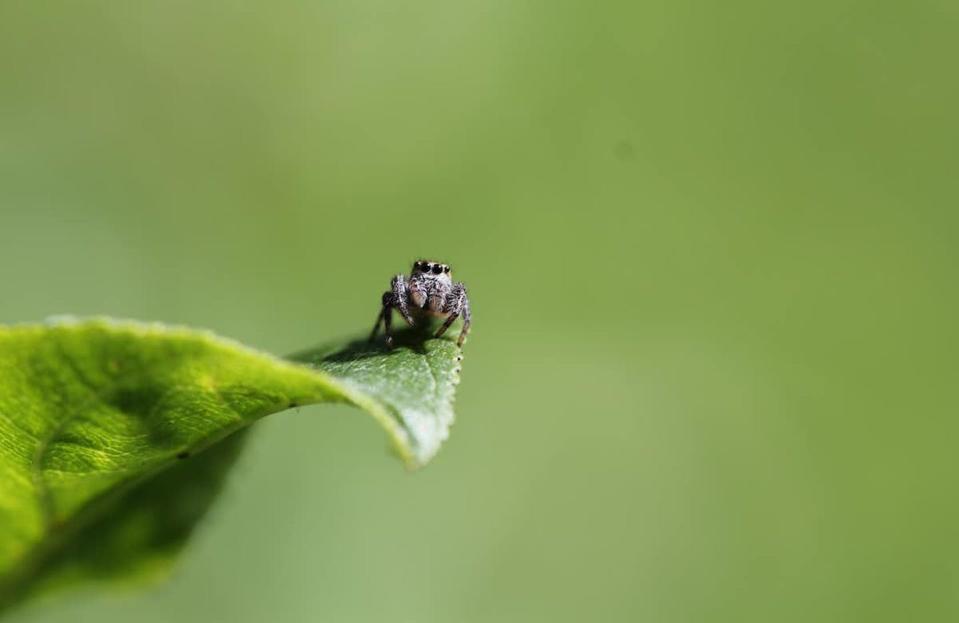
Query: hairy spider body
428 291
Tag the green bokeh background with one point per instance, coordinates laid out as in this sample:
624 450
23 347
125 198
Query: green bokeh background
711 249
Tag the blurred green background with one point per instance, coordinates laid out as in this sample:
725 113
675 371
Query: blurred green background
711 249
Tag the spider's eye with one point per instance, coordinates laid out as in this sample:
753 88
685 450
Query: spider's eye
446 269
437 269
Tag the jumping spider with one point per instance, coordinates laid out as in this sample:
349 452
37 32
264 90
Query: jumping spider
428 291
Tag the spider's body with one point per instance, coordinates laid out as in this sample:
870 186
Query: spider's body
428 291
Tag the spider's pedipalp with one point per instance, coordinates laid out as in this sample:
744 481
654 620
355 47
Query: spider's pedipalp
417 293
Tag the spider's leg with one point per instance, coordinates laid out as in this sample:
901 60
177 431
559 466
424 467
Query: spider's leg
388 324
376 326
446 324
456 305
400 298
466 319
386 315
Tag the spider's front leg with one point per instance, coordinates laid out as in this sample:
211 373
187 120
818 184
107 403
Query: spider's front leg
396 298
458 303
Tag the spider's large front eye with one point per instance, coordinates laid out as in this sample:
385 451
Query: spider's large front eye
437 269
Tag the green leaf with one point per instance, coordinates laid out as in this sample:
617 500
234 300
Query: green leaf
115 437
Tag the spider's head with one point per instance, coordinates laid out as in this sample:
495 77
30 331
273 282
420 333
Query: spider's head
431 269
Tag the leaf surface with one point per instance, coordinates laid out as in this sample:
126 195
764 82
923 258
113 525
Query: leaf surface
115 437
